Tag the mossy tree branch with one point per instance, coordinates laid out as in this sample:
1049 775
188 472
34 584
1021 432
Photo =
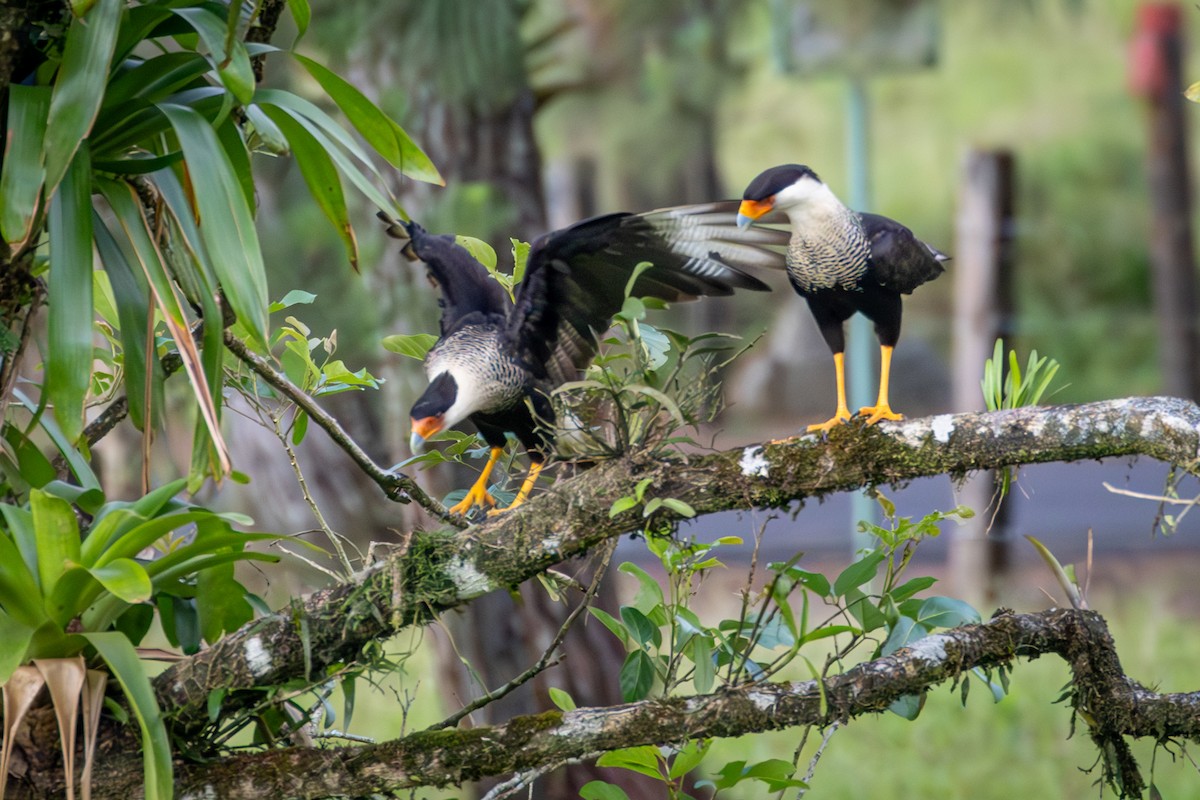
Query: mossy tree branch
438 571
1111 705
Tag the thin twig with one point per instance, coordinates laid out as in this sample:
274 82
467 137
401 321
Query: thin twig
396 485
812 765
333 536
1174 501
547 660
522 780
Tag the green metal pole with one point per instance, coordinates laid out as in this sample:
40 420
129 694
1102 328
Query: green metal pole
860 362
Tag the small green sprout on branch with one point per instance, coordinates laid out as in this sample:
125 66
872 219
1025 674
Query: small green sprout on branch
1015 389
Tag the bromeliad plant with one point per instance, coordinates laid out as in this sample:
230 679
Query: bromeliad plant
132 137
70 594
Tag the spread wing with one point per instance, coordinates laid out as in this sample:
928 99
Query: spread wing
575 278
899 260
468 293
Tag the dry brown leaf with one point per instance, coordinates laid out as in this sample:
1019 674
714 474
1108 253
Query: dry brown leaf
19 693
65 679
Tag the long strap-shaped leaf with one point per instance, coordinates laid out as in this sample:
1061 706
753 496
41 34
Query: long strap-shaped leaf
224 219
142 368
69 366
384 134
24 163
133 222
79 87
320 174
123 661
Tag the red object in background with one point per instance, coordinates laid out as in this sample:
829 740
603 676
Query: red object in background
1156 22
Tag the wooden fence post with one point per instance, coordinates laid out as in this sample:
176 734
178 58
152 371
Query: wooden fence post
1155 74
983 311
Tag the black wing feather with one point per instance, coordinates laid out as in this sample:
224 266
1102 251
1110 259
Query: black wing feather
468 293
899 260
575 278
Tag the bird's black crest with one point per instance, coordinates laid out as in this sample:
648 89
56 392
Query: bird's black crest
438 397
772 181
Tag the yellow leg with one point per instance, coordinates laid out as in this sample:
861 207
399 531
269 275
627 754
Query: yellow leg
478 495
881 409
526 488
843 413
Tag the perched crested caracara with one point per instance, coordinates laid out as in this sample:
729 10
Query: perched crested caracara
497 360
842 261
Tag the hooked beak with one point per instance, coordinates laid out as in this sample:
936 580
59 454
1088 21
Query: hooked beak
751 210
422 429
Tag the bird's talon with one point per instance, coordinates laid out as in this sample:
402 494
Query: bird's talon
840 418
878 413
463 507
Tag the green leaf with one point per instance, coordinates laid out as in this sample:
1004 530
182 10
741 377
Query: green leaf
607 620
21 180
142 368
637 676
999 690
124 578
322 127
859 573
20 593
643 759
292 298
226 225
561 699
679 507
122 660
16 637
622 504
702 656
825 631
128 535
221 602
520 254
151 260
813 581
79 87
321 176
946 612
906 631
656 344
644 631
302 15
480 250
650 594
57 536
413 345
909 588
688 759
300 428
380 131
69 329
908 706
600 790
233 67
864 609
135 84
